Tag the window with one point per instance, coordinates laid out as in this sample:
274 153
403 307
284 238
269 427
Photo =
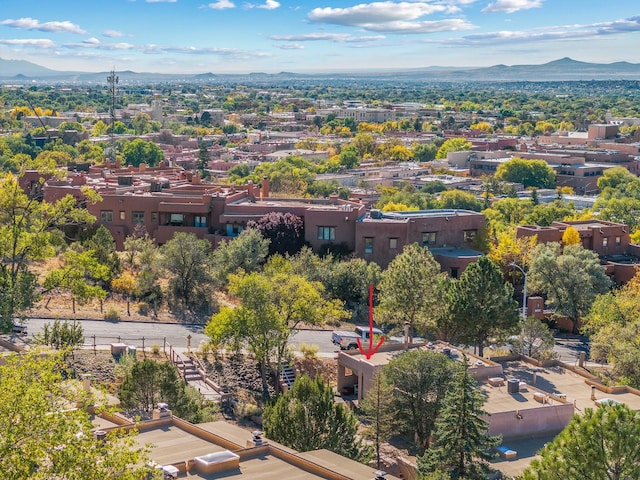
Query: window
428 238
454 272
368 244
605 242
106 216
618 241
123 215
137 217
176 219
470 235
154 216
326 233
393 243
199 221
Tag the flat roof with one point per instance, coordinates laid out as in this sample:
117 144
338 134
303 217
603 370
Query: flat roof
171 444
498 399
562 380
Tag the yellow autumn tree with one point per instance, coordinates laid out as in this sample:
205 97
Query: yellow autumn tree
509 249
571 236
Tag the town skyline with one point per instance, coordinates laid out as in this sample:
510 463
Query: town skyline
225 36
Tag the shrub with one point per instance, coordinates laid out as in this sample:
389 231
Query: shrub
155 349
112 314
309 351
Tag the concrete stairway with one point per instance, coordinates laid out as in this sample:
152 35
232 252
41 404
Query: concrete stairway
188 369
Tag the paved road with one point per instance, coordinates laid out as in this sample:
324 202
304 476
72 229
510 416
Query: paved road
106 332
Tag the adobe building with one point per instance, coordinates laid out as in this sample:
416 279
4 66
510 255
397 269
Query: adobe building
610 240
164 200
449 234
218 449
513 412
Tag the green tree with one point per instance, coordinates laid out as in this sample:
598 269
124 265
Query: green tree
150 382
453 145
248 251
410 290
535 340
600 444
61 335
307 418
103 246
613 327
457 199
202 162
29 230
420 380
138 151
80 275
254 324
569 276
138 248
349 157
43 439
272 307
482 303
349 281
377 413
530 173
188 261
424 152
461 447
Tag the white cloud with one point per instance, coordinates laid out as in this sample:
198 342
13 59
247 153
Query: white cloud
270 5
290 46
554 33
112 34
376 12
28 23
329 37
511 6
100 46
29 42
392 17
221 5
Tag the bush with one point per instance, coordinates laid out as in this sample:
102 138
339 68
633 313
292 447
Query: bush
112 314
155 349
309 351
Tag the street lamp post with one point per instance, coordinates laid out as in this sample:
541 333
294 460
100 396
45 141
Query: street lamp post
524 290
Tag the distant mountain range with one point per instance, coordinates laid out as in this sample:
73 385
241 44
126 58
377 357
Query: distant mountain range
564 69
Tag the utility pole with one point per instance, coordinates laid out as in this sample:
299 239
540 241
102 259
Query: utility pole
524 292
113 81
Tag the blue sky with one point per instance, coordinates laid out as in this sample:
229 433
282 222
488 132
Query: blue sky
238 36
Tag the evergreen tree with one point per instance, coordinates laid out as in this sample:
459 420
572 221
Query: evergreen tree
307 418
481 302
378 415
461 445
602 444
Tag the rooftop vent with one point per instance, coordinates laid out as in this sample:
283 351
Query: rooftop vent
379 475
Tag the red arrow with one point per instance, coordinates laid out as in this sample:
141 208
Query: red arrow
372 349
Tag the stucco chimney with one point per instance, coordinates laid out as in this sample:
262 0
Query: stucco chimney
265 188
